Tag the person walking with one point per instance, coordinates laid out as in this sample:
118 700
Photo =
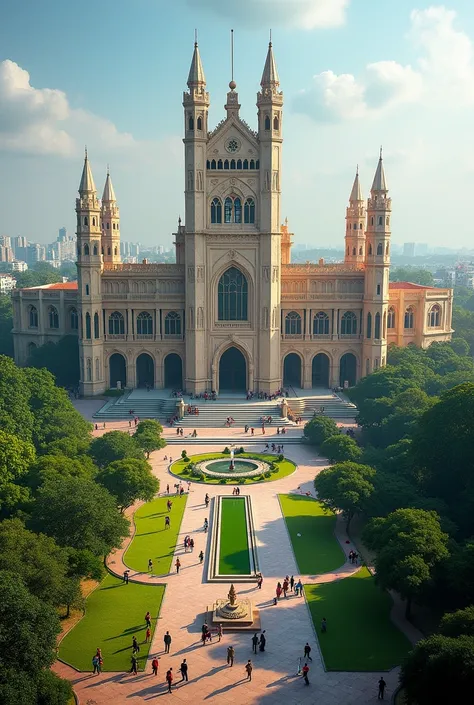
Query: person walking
206 525
324 625
135 645
278 591
167 641
254 643
167 522
95 664
285 587
184 670
150 565
219 631
307 651
178 565
147 635
134 668
154 666
230 655
249 669
382 686
206 500
201 557
305 674
263 641
259 581
148 619
125 576
299 588
169 679
292 583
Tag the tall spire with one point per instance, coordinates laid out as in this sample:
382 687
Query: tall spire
109 194
196 72
356 193
270 73
379 183
87 184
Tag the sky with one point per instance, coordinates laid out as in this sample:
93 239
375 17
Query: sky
355 74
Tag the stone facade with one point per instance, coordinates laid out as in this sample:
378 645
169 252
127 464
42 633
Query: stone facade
233 312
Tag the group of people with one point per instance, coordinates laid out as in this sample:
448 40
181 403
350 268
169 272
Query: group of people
97 662
179 431
207 396
192 410
275 448
288 585
236 491
353 557
229 421
188 544
266 419
266 396
259 642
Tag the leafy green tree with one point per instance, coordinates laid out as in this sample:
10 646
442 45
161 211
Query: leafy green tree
15 414
79 513
41 273
148 436
346 486
415 275
49 466
319 429
15 458
6 325
459 573
129 480
84 564
409 543
114 445
437 668
61 359
340 448
391 492
52 690
459 622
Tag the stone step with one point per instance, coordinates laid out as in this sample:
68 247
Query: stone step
223 442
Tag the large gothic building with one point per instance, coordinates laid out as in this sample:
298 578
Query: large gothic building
233 313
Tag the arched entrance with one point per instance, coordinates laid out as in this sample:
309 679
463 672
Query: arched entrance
117 371
232 371
320 370
173 372
292 370
348 370
145 370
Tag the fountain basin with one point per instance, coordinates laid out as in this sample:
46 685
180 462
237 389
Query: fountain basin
242 467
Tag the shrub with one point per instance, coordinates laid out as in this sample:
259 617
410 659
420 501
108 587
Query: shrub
267 474
184 454
223 481
186 459
340 448
226 451
240 450
319 429
280 458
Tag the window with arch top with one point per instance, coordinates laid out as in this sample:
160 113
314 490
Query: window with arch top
293 323
53 317
33 317
377 326
232 296
216 211
434 316
321 324
369 326
86 249
199 123
391 318
370 249
349 323
173 323
96 325
249 211
380 249
276 123
267 123
73 319
232 210
88 326
116 323
144 323
191 123
409 318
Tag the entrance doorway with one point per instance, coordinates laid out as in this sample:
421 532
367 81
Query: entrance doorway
292 370
348 370
320 370
117 371
145 371
173 372
232 371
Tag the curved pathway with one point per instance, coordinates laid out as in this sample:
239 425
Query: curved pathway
288 625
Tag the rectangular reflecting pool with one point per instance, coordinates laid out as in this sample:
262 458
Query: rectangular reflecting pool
233 553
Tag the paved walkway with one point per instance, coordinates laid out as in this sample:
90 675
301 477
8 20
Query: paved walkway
288 625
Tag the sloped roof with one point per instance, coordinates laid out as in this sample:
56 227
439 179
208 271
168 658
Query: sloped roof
408 285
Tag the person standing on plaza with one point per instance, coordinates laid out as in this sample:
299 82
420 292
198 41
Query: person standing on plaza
285 587
307 651
125 576
167 641
278 590
184 670
249 669
382 686
169 679
178 565
305 674
154 666
263 641
292 583
254 643
134 668
230 655
259 581
206 500
201 557
219 631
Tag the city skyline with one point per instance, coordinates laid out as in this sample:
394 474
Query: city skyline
349 86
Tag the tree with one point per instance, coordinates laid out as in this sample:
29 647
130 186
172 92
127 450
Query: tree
340 448
41 273
49 466
346 486
459 622
319 429
61 359
79 513
437 668
15 458
15 413
409 543
6 325
114 445
129 480
416 275
52 690
148 436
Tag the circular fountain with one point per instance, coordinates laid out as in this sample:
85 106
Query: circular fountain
240 467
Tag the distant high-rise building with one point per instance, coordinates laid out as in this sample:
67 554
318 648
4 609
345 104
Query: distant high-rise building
7 283
35 253
6 253
421 249
408 249
19 266
62 234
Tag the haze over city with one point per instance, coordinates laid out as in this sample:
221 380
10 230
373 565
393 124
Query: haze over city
355 75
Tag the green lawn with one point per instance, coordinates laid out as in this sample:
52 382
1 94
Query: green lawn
286 467
234 556
114 614
151 539
360 635
317 550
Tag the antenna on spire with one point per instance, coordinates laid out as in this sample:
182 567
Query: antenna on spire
85 151
108 170
231 54
380 151
270 43
195 37
357 170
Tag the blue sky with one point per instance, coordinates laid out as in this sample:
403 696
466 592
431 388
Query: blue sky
355 74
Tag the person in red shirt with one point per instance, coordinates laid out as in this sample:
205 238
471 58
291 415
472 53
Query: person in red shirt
169 679
148 635
305 673
154 666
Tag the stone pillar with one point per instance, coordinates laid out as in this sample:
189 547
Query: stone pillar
180 408
284 409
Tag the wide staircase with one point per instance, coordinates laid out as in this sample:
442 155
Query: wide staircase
149 406
336 407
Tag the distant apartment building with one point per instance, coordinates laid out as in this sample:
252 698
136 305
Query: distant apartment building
408 249
35 253
19 266
7 283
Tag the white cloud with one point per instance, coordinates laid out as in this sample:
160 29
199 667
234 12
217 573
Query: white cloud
41 121
444 72
307 14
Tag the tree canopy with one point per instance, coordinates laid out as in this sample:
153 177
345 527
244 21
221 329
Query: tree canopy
128 480
346 486
148 436
340 448
61 359
416 275
6 325
114 445
16 455
458 622
319 429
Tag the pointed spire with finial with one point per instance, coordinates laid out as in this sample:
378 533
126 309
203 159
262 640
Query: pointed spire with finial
87 184
109 194
356 193
380 183
270 73
196 72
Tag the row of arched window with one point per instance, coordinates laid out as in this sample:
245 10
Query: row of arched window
293 323
144 323
191 123
232 208
268 123
370 251
53 317
433 321
87 250
233 164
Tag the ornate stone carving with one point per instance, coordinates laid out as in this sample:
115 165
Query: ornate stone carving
266 273
200 318
199 274
190 274
275 274
231 254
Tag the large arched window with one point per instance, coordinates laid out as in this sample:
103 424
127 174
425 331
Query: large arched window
53 317
434 316
232 210
409 318
391 318
96 325
232 296
33 317
73 319
267 122
86 249
88 326
349 323
144 323
293 323
116 324
321 324
216 211
377 326
249 211
380 249
173 323
369 326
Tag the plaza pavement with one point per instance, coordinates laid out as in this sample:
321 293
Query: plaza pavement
288 625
